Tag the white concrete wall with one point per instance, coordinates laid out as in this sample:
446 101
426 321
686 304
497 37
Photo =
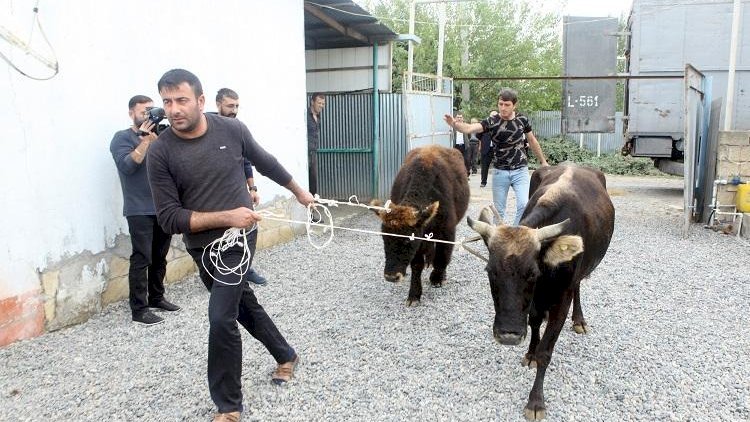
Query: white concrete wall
347 69
59 190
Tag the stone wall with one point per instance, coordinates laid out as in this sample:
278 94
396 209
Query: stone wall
733 159
75 288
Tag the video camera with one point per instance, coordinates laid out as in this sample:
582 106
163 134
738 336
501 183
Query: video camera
156 115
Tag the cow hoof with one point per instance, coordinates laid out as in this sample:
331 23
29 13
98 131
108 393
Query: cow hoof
535 414
581 328
412 303
529 362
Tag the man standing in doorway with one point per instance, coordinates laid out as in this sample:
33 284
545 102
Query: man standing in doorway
199 188
228 105
459 142
317 103
150 244
509 132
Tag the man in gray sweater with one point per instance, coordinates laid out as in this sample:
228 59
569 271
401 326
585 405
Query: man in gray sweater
199 188
148 260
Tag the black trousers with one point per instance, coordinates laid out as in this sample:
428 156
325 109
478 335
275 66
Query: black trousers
462 148
485 162
312 171
227 306
473 155
148 262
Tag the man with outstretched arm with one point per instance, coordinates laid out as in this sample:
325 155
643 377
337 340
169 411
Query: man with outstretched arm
199 188
509 132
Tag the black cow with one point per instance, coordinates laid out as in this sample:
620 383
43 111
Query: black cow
536 269
429 195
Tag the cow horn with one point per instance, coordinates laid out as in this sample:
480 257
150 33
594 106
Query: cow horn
480 227
485 216
546 232
496 213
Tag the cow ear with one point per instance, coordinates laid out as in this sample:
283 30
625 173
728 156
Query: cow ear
563 249
428 213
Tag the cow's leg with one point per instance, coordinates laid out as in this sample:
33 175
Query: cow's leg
443 253
415 289
558 313
535 322
579 323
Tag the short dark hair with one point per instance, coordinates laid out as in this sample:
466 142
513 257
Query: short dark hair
317 95
138 99
226 92
507 94
174 77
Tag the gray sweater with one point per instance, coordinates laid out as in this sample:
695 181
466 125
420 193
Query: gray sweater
205 174
136 193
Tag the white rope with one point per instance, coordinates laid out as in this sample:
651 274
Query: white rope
235 236
231 237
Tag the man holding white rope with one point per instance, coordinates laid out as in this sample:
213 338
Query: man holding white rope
199 188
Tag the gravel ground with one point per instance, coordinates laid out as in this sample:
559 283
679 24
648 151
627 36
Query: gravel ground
669 341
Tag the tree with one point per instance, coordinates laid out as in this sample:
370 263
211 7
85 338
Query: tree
503 38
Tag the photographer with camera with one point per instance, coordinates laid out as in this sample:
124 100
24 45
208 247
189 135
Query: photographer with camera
148 261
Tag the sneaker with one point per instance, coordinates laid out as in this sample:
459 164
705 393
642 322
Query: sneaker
255 278
227 417
284 372
148 318
164 305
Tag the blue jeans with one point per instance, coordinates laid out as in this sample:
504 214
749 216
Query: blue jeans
502 180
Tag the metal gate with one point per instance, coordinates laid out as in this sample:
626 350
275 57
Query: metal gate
360 151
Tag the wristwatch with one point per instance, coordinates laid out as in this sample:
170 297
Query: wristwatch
253 187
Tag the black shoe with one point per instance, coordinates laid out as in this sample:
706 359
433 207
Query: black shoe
315 218
483 185
164 305
255 278
148 318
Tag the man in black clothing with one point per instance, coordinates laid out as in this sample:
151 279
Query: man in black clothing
148 260
228 105
485 152
317 102
199 188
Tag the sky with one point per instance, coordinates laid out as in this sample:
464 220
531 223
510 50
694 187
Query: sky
613 8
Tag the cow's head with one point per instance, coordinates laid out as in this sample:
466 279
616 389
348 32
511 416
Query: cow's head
404 220
517 257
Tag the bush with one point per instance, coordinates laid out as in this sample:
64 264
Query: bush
558 150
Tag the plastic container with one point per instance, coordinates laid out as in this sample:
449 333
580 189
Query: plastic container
743 197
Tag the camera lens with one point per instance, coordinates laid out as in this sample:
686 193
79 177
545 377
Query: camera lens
156 114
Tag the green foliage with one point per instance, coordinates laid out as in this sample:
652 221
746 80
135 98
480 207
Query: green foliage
557 150
482 39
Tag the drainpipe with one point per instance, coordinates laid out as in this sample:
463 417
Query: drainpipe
729 112
375 123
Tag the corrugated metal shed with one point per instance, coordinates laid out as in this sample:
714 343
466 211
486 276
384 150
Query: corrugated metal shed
341 24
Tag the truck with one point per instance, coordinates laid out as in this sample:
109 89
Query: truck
662 37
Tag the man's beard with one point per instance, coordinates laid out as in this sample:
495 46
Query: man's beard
138 122
232 115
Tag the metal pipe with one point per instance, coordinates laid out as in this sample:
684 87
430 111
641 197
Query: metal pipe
729 112
410 62
441 43
375 123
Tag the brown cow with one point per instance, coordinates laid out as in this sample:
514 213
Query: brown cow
429 195
536 268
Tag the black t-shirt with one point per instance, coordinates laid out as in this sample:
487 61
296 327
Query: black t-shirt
509 140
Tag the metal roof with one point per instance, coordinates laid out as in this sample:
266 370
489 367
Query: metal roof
341 24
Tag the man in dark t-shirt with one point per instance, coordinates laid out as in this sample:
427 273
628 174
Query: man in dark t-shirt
198 183
148 259
317 103
510 132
